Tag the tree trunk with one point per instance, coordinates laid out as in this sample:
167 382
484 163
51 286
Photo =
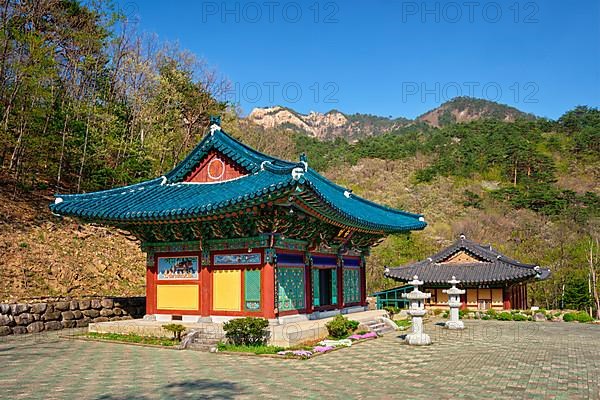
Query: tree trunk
593 276
62 151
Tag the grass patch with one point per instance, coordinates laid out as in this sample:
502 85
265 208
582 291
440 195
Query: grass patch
249 349
403 323
132 338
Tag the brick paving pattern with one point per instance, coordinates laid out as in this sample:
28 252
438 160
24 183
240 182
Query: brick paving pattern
490 359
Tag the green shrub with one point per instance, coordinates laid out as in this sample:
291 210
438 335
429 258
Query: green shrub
175 329
504 316
463 313
491 313
340 327
392 311
519 317
569 317
249 331
583 317
446 314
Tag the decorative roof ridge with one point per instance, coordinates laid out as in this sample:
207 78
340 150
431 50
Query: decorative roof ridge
221 141
490 256
311 172
109 192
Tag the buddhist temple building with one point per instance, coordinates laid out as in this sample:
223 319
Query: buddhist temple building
491 279
234 232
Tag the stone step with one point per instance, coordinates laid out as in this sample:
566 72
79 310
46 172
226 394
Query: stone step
201 347
206 341
369 322
384 331
211 336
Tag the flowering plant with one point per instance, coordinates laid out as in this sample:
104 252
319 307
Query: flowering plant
368 335
322 349
297 353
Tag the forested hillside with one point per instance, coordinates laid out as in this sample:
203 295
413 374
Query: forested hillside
87 103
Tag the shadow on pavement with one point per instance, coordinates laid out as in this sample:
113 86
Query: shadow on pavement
195 389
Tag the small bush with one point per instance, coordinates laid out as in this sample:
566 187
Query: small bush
340 327
581 316
175 329
491 313
569 317
519 317
249 331
504 316
392 311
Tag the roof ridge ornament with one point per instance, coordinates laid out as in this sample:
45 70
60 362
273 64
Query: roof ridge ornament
304 161
215 124
262 164
163 181
297 173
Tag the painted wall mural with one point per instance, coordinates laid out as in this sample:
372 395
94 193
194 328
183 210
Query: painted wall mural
177 268
252 289
238 259
351 285
290 288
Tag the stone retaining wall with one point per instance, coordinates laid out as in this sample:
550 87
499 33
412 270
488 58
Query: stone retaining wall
54 314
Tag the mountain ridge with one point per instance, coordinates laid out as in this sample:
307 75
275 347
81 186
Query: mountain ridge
335 124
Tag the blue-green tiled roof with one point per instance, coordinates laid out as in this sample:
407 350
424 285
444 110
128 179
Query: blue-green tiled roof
169 198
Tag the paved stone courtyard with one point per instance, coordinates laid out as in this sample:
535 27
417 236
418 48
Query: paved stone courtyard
490 359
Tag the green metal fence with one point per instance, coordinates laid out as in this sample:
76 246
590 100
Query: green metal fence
392 297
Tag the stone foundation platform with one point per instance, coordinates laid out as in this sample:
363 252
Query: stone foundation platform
283 333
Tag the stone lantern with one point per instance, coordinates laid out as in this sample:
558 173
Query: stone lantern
454 303
417 311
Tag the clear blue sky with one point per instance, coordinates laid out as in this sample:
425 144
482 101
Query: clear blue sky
386 57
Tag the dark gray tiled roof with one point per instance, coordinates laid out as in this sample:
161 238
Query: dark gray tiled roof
494 268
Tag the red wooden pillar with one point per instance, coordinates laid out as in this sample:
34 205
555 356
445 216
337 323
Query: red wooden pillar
506 298
205 290
463 300
308 285
151 288
268 293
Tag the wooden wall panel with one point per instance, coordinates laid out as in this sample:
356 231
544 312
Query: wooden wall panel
215 168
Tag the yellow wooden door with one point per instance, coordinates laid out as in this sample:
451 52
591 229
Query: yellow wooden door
227 290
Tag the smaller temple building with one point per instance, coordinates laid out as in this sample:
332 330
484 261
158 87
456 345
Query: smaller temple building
491 279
